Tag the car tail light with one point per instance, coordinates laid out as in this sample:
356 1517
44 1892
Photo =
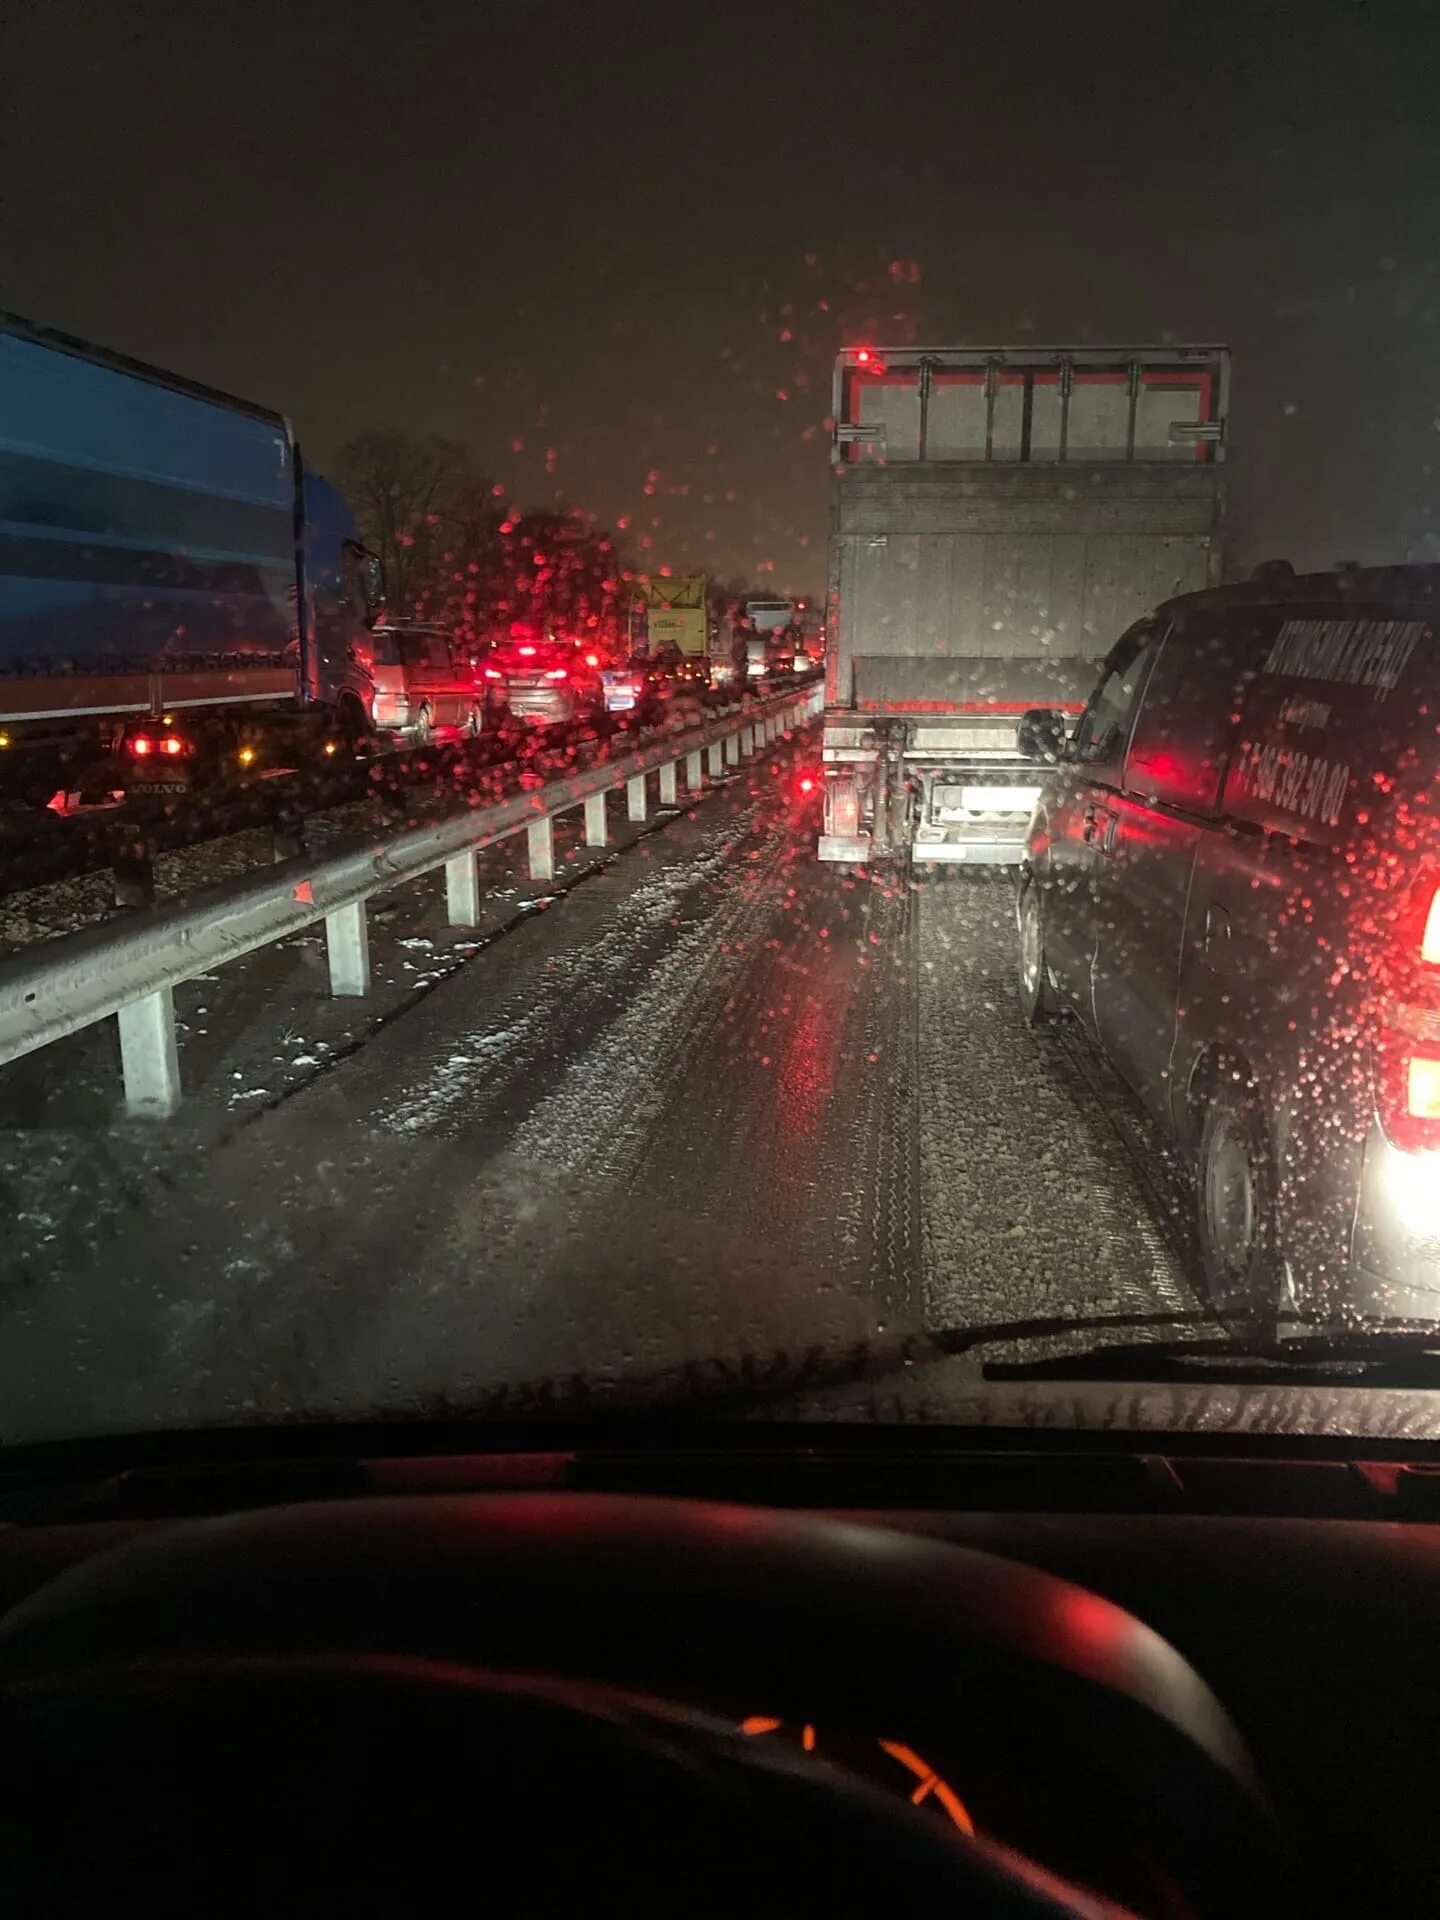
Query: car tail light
592 659
527 652
1409 1049
493 673
554 673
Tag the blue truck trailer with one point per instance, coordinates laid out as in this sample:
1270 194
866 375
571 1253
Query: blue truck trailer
182 602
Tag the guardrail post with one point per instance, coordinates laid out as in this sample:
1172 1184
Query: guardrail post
347 940
694 778
668 794
597 830
462 890
148 1058
635 796
541 836
732 749
133 879
714 759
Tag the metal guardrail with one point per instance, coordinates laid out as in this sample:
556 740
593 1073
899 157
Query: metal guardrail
131 970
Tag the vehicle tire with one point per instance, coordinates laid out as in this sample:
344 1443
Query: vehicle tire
1037 998
475 722
1236 1196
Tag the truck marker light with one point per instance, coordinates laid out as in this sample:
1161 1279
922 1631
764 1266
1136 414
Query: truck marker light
4 740
330 747
246 756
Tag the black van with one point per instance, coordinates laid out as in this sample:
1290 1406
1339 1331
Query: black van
1233 877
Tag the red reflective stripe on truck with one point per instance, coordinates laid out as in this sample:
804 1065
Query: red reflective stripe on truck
966 706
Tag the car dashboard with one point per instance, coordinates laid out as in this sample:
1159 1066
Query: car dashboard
1311 1617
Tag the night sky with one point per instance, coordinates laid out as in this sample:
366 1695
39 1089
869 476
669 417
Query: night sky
577 237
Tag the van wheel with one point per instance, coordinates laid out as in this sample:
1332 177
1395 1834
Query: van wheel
1037 1000
1236 1199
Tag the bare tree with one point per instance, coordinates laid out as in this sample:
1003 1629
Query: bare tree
400 490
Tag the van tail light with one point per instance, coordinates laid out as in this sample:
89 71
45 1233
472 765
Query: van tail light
1430 929
1409 1049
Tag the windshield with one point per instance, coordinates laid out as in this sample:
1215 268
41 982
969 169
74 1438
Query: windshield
897 861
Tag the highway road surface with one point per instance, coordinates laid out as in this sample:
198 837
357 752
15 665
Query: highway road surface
706 1124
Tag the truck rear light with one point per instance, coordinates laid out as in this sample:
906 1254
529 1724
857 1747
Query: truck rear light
140 744
170 745
842 806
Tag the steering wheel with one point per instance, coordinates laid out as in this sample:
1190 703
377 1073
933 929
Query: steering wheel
358 1707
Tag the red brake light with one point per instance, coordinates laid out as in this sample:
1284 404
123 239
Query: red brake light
862 354
592 659
141 744
556 673
529 652
1409 1051
171 745
493 673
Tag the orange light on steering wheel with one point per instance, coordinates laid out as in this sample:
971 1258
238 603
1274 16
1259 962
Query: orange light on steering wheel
928 1783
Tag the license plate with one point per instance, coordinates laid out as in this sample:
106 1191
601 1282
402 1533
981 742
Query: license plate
620 702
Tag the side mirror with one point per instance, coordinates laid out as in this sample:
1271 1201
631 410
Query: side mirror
1041 735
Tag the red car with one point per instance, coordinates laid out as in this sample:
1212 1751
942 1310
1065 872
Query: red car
424 686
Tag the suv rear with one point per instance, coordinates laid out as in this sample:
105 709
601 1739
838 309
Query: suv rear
549 682
1233 877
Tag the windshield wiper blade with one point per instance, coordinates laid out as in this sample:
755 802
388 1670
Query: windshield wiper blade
1383 1359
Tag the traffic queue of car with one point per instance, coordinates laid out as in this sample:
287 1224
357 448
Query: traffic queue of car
434 686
